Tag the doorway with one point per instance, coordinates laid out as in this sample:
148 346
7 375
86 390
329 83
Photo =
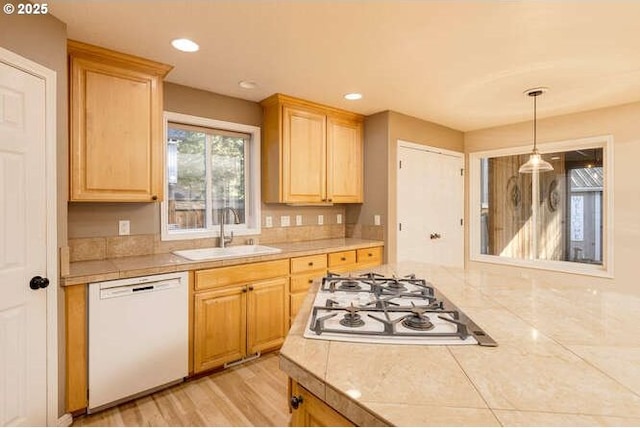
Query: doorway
430 205
28 244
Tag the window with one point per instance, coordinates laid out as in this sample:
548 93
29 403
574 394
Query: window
555 220
210 166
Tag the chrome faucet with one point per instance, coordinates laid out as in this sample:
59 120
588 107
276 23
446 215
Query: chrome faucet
224 240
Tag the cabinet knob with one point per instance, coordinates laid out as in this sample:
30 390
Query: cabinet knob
251 288
310 263
343 259
154 198
296 401
310 281
329 200
369 255
244 289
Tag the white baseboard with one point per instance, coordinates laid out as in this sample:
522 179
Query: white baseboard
65 420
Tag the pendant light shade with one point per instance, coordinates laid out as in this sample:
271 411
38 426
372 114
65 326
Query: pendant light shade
535 162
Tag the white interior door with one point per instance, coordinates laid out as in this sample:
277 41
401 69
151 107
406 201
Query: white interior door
23 249
430 206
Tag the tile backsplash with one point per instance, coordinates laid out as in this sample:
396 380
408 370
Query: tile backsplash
93 233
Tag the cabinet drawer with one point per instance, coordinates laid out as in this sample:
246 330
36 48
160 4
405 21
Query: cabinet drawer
342 258
219 277
369 256
308 263
303 282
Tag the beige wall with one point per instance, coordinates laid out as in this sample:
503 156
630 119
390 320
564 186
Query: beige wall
196 102
413 130
381 133
623 123
100 220
376 137
43 39
46 46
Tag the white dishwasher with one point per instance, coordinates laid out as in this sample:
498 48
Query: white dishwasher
138 336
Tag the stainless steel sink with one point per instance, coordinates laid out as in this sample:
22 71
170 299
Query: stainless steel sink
217 253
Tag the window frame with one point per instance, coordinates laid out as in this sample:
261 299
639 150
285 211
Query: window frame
252 180
474 219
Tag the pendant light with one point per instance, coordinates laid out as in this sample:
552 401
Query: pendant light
535 162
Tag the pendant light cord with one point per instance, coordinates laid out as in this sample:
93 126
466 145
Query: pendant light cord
534 122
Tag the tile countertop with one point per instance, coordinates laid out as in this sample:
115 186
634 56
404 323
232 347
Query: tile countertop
128 267
565 356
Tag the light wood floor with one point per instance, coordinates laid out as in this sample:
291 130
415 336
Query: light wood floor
252 394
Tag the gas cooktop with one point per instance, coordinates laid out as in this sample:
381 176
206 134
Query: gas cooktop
373 308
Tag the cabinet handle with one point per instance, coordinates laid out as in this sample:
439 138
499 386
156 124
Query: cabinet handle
251 288
296 401
310 263
154 198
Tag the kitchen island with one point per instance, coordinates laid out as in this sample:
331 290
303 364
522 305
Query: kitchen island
565 356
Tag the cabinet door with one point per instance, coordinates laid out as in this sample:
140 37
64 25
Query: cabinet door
303 155
344 160
219 327
313 412
267 316
116 151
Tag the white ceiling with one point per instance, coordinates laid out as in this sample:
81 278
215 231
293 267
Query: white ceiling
463 64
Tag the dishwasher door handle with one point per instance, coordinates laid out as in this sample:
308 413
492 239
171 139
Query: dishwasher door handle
147 287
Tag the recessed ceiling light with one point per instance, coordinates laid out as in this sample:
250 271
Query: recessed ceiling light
247 84
185 45
353 96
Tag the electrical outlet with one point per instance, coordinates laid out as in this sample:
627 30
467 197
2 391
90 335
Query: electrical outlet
268 221
320 219
298 220
124 227
376 220
285 221
339 218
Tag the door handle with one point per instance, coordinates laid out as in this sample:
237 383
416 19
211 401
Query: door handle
38 282
434 236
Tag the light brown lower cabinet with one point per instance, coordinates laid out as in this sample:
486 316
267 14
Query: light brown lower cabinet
342 261
75 299
369 257
236 321
236 312
304 270
307 410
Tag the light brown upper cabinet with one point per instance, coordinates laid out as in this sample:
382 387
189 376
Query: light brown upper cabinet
117 149
311 154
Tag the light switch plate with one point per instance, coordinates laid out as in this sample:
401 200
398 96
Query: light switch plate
376 220
268 221
285 221
124 227
320 219
339 218
298 220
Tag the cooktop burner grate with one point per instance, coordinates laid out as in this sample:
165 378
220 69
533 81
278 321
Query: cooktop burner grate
374 308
